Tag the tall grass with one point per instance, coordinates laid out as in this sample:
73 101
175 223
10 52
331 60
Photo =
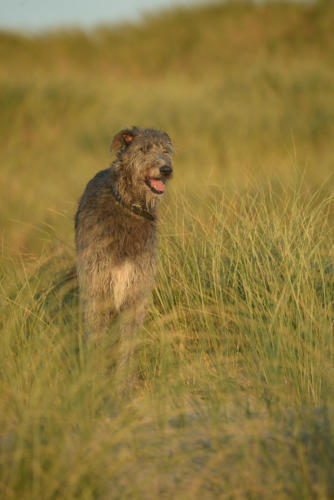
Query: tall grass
233 393
234 366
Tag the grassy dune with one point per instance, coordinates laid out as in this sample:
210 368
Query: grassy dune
234 394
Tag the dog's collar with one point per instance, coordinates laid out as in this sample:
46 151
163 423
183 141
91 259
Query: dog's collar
133 208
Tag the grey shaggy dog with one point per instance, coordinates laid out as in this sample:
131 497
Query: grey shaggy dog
115 231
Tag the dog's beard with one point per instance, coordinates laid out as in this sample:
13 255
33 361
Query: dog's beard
151 201
136 191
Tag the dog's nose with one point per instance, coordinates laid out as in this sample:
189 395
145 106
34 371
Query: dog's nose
166 170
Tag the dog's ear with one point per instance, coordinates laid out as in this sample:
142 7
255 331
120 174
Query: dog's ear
123 138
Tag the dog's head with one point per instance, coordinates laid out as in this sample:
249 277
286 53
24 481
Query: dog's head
144 158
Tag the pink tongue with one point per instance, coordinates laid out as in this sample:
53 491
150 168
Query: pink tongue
157 184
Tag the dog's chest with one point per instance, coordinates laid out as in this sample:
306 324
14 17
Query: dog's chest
130 280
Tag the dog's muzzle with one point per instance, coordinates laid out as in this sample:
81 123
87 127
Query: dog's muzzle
158 185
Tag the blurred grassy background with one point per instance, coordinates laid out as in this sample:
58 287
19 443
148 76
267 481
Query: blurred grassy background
240 88
235 363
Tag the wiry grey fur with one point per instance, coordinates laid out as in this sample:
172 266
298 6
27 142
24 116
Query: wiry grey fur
115 230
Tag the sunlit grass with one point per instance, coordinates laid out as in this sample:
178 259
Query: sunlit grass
233 363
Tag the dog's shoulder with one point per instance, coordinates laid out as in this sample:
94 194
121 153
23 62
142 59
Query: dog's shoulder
93 195
100 180
96 186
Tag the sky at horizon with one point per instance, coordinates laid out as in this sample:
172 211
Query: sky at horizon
39 15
